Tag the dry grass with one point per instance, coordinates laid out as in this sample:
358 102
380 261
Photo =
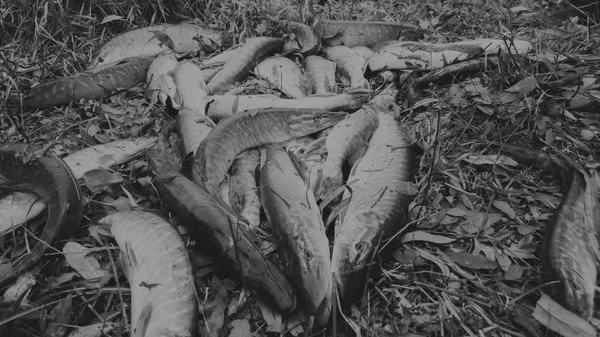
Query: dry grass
426 289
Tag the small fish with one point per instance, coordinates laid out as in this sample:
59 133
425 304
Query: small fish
284 74
364 33
350 66
191 89
187 36
243 190
159 79
152 252
245 58
320 75
250 129
381 189
298 228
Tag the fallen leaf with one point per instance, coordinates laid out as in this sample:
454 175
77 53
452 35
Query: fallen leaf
215 309
489 159
471 261
111 18
514 272
476 221
456 212
60 317
163 38
425 236
21 285
525 229
94 330
524 86
240 328
505 208
86 265
98 179
560 320
587 134
272 317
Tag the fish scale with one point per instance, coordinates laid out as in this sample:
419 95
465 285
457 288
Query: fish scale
378 204
251 129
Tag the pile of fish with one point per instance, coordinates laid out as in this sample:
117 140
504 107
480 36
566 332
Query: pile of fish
322 140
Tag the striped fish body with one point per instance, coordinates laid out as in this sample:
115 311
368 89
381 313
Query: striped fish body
382 188
211 66
243 191
282 73
363 33
160 273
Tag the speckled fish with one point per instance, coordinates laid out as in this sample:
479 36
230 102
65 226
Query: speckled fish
363 33
306 36
382 188
52 180
224 235
250 129
106 155
282 73
17 208
298 229
570 251
159 269
87 85
319 75
159 79
243 190
237 68
422 56
211 66
183 37
220 107
193 128
308 164
350 67
347 142
191 89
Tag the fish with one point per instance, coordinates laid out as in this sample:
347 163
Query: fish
570 251
159 78
211 66
308 163
17 208
217 228
250 129
51 179
320 75
123 74
191 89
193 128
224 192
495 46
159 269
221 107
184 37
347 142
298 229
350 66
306 36
243 190
422 56
363 51
380 188
364 33
284 74
237 68
106 155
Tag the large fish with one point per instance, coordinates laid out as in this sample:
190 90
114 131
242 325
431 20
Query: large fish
284 74
220 107
298 229
243 190
157 265
570 252
183 37
309 164
380 188
193 128
191 89
220 231
52 180
250 129
350 66
123 74
363 33
320 75
211 66
245 58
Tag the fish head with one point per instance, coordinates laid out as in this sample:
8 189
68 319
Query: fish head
578 285
310 122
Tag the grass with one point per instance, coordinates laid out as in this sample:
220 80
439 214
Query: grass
438 286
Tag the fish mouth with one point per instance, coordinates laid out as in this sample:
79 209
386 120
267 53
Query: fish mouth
578 293
314 286
349 283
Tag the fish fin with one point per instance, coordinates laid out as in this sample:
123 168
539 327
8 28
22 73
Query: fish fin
128 260
317 144
143 321
187 164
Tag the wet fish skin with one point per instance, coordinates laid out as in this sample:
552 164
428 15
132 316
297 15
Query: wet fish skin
17 208
250 129
51 179
570 251
284 74
363 33
221 231
363 51
186 37
237 68
193 128
243 190
153 252
320 75
191 89
214 64
350 66
382 188
309 164
306 36
298 229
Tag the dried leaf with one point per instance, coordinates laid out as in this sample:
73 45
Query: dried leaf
94 330
588 134
558 319
21 285
514 272
163 38
240 328
524 86
472 261
215 309
86 265
60 318
425 236
272 317
98 179
111 18
456 212
489 159
505 208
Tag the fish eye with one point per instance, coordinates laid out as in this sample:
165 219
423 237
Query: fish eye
360 246
308 255
318 117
